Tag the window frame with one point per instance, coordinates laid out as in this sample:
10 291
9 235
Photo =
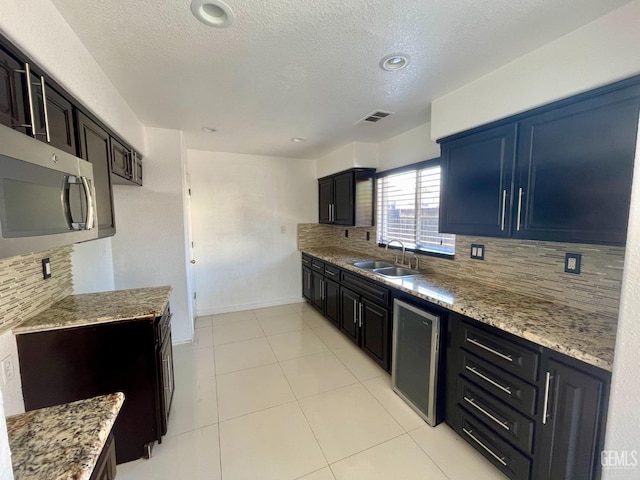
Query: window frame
433 162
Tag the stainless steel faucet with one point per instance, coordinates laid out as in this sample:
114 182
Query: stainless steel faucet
403 250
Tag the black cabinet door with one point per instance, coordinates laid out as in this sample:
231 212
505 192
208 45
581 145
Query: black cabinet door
570 441
476 179
332 301
94 147
376 333
59 117
318 291
325 201
167 384
344 197
349 304
575 165
121 164
12 93
307 284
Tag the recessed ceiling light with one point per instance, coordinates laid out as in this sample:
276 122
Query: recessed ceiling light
298 140
209 129
395 61
214 13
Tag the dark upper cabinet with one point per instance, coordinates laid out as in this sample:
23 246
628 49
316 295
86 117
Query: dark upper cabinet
575 169
94 146
121 160
12 93
347 198
572 431
476 174
54 117
137 168
560 172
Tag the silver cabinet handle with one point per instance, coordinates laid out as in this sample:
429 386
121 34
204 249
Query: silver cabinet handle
330 273
487 449
32 125
355 312
329 207
504 207
360 313
333 213
519 207
545 408
46 111
492 382
489 349
321 289
471 402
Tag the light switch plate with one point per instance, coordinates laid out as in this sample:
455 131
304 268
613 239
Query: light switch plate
572 262
46 268
477 251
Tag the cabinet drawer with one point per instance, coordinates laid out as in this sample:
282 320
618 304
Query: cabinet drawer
306 261
508 388
369 290
506 421
331 271
317 265
506 354
509 460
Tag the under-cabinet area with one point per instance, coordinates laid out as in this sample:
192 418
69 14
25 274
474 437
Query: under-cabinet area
533 403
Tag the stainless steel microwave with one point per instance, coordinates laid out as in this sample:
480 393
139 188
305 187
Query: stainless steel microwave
47 196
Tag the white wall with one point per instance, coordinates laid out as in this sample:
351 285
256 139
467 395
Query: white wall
92 264
12 391
596 54
149 246
238 205
409 147
355 154
40 31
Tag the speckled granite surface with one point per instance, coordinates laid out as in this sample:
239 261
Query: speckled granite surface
93 308
577 333
62 442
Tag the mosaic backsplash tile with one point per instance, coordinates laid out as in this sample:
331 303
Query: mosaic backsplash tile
527 267
23 292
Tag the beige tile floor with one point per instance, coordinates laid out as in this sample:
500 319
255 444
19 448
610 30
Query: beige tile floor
278 393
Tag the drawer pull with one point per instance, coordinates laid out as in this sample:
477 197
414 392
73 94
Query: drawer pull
330 273
545 409
489 451
492 382
478 407
489 349
318 267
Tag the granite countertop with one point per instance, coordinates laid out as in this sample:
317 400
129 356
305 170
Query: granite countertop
576 333
94 308
62 442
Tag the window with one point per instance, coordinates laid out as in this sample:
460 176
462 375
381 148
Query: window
408 209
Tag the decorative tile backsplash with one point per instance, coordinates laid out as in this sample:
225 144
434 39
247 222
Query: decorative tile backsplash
528 267
23 292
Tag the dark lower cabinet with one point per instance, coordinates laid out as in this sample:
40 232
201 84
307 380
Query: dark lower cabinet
349 303
571 434
375 333
307 284
105 468
332 301
12 86
130 356
94 147
318 291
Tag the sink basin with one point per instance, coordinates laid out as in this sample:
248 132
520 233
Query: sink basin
395 272
371 265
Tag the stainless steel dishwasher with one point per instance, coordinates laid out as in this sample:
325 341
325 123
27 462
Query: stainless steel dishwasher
416 362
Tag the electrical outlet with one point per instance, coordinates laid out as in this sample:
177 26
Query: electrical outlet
346 234
477 251
8 371
368 236
46 268
572 263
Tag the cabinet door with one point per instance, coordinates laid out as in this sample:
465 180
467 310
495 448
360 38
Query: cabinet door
569 443
121 160
318 291
307 284
575 169
344 197
349 303
376 330
137 169
167 384
325 201
94 147
332 301
476 183
60 118
12 93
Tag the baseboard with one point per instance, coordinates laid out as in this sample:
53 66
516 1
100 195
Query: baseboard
248 306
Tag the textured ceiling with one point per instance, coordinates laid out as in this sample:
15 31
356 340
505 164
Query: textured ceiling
307 68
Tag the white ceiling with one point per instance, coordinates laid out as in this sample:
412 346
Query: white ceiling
307 68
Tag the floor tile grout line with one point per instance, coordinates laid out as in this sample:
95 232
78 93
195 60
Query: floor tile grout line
226 420
427 454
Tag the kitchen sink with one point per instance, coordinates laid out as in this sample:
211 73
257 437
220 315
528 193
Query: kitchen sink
395 272
372 264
